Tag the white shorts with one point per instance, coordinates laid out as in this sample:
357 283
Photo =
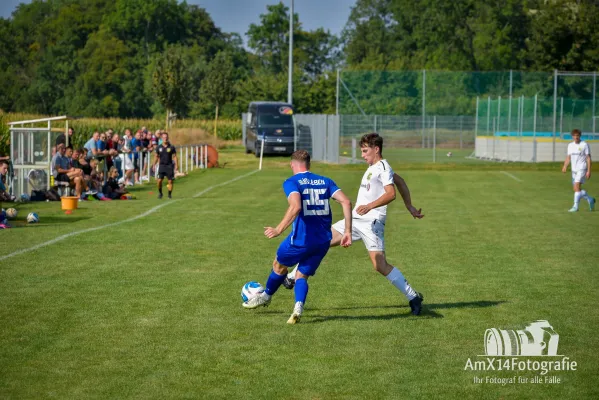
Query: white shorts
579 176
127 162
370 231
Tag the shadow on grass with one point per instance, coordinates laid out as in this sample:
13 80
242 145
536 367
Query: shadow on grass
428 311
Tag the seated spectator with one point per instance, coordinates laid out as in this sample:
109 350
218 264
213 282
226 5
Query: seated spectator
112 189
84 164
4 195
95 177
64 172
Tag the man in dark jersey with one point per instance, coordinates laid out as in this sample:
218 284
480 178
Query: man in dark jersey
166 154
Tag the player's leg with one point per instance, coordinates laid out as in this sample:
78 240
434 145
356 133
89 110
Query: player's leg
373 235
287 254
577 179
586 196
169 185
337 230
306 268
159 183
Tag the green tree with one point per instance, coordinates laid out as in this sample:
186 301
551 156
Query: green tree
218 85
171 80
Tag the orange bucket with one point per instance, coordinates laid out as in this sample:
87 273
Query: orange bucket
69 202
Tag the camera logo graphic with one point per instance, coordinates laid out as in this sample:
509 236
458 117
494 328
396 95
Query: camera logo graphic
536 339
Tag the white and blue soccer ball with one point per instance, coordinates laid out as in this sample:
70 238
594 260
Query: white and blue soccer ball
33 218
11 213
251 290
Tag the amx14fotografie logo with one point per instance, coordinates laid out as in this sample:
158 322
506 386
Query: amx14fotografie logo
529 350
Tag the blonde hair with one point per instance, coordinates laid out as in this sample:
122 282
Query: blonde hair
111 170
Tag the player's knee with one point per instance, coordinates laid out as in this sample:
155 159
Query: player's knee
278 268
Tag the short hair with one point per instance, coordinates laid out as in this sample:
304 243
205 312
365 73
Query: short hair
373 140
302 156
576 132
60 146
4 162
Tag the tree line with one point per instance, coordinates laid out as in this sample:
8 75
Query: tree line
142 58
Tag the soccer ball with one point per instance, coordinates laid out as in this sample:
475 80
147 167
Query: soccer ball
449 154
251 290
11 213
33 218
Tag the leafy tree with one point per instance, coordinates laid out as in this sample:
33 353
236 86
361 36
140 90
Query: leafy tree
171 80
217 86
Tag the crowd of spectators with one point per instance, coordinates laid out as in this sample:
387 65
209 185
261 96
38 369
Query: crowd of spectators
103 168
126 161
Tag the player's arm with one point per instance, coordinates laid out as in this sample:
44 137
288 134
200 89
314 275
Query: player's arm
566 163
385 199
295 206
176 162
589 166
404 192
345 202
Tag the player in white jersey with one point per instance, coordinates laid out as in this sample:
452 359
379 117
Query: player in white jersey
370 215
579 157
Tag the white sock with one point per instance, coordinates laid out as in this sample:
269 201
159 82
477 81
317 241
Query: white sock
585 195
291 274
397 279
577 197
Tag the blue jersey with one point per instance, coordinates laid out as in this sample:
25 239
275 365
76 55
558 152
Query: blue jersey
313 224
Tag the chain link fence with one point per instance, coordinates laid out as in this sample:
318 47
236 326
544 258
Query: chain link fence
427 114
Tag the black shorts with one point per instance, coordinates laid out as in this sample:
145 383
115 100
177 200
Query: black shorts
166 171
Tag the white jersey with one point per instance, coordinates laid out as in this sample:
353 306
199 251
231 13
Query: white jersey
376 177
578 155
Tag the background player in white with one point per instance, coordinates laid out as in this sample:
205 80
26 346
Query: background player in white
579 156
370 214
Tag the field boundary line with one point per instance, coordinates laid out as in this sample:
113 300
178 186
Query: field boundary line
511 176
224 183
96 228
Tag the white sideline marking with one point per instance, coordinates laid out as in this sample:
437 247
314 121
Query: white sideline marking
511 176
224 183
145 214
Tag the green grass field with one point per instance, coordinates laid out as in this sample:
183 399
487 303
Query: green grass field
151 307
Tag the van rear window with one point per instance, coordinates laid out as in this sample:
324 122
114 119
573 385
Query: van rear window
278 120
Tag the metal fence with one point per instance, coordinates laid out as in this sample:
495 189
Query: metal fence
420 110
317 133
32 149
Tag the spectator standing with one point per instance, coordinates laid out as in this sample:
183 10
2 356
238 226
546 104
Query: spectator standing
62 139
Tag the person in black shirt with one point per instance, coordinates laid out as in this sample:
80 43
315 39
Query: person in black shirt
63 139
166 158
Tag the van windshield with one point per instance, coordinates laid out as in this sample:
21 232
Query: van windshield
272 117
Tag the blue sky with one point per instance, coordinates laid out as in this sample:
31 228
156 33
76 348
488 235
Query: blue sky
237 15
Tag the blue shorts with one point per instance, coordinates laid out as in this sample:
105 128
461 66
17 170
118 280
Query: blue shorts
308 258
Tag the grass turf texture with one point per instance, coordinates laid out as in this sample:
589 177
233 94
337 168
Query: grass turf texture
151 308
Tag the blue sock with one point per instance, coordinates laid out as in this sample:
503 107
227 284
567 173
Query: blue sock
274 281
301 290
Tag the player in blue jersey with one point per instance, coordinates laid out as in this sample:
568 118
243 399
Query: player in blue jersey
310 215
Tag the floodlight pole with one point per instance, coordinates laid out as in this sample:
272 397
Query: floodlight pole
337 96
290 82
554 110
